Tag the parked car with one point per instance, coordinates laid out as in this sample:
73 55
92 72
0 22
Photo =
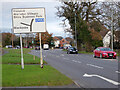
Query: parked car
72 50
37 48
104 52
8 46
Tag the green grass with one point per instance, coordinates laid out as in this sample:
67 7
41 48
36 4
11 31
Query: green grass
64 50
14 57
32 75
84 52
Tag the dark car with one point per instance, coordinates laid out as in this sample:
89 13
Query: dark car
37 48
104 52
72 50
17 47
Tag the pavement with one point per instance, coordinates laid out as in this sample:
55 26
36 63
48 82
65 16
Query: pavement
83 69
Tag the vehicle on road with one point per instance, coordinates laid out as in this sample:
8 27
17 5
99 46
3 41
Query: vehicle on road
37 48
17 47
8 46
104 52
46 47
72 50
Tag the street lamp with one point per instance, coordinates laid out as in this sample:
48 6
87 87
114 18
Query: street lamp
75 27
112 26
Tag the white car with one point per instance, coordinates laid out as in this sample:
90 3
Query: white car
8 46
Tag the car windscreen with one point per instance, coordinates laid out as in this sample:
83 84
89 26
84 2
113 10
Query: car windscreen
105 49
73 48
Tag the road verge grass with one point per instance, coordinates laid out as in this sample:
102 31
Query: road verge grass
84 52
32 75
14 57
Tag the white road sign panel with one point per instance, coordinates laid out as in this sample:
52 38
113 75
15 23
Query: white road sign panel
27 20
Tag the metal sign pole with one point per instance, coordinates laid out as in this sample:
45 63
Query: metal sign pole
41 59
22 60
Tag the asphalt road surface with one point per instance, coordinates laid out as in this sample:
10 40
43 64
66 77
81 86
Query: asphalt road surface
83 69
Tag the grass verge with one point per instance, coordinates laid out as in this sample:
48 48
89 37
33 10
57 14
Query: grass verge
32 75
84 52
14 57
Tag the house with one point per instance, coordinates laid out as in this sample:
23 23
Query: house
64 42
107 38
57 40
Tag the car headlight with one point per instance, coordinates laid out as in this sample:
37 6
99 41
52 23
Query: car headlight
115 53
104 53
70 50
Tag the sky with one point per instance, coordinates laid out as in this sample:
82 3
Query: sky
52 21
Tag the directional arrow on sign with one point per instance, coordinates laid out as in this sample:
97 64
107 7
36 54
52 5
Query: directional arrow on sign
28 25
106 79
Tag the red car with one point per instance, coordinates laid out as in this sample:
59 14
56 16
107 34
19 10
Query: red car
104 52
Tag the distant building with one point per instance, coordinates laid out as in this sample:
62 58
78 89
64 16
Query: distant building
57 40
64 42
107 38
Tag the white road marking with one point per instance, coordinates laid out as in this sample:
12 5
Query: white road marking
57 56
95 66
106 79
74 61
117 71
62 55
65 58
79 62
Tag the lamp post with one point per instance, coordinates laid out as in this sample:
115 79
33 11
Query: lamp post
75 29
112 26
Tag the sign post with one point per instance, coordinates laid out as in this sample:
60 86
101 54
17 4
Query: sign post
41 58
29 20
22 60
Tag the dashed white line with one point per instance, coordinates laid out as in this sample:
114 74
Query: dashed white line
95 66
79 62
65 58
62 54
57 56
76 61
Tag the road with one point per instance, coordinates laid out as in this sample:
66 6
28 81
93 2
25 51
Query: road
83 69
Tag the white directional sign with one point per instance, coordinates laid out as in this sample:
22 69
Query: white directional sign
27 20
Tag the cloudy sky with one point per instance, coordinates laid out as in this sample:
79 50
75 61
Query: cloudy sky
52 21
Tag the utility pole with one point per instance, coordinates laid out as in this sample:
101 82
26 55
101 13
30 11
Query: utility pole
75 29
112 25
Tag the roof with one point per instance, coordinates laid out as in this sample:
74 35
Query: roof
58 38
104 32
68 39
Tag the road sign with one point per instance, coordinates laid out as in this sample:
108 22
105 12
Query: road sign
27 20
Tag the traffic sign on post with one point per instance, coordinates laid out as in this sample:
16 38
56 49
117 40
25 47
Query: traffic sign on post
29 20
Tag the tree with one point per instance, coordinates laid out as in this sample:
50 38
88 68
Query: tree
110 10
87 13
7 39
46 38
